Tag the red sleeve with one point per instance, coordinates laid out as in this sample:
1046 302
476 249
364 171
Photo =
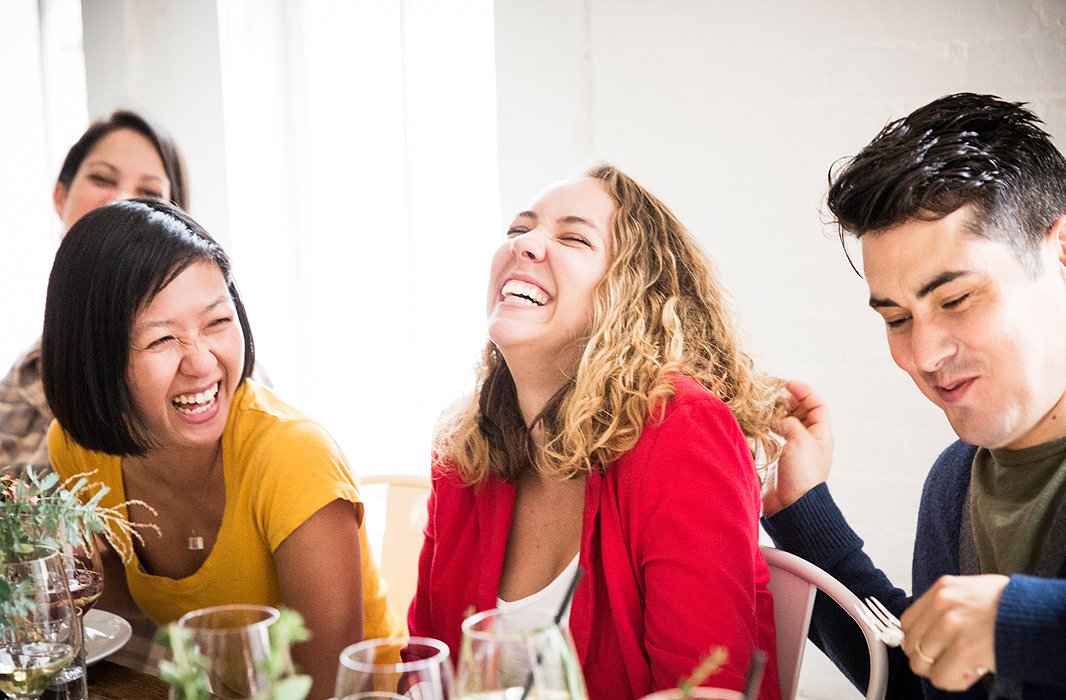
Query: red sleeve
696 513
419 616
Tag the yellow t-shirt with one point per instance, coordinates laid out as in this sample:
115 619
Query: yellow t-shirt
279 468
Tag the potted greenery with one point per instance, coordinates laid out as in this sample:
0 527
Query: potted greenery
39 512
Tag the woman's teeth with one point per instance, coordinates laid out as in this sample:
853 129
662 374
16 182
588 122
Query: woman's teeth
524 293
191 404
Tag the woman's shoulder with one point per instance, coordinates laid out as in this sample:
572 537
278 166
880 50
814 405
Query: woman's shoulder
694 422
65 452
691 397
267 436
447 476
259 414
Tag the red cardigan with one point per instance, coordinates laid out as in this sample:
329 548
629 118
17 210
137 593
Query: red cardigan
669 545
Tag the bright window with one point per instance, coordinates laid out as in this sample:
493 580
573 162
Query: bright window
361 156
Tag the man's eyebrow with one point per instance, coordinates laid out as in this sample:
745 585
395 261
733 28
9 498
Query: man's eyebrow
940 280
925 290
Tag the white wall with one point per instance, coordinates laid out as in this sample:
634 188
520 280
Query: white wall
162 59
733 112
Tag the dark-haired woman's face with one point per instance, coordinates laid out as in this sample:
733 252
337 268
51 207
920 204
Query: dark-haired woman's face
186 358
122 165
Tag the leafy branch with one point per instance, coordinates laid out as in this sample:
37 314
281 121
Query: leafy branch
707 667
38 511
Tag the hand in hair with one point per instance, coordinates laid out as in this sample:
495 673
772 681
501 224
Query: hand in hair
807 454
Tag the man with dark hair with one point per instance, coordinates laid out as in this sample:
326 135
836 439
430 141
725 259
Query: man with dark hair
960 210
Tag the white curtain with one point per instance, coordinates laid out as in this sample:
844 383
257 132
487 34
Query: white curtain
361 168
42 80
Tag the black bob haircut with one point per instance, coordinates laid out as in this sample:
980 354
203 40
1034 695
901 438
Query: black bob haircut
958 150
109 267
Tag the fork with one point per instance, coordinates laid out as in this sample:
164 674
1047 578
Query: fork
884 624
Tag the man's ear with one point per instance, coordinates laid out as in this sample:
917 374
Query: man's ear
59 198
1057 232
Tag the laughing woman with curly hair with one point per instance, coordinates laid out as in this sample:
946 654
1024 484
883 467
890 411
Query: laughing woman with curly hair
613 427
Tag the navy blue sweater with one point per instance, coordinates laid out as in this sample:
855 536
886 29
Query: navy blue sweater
1030 623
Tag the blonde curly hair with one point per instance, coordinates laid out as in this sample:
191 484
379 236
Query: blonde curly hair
659 311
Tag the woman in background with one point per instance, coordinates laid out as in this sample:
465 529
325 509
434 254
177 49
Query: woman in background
146 366
612 427
120 157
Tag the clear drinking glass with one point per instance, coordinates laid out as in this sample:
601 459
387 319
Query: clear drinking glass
509 657
706 693
71 683
40 637
85 571
407 668
235 640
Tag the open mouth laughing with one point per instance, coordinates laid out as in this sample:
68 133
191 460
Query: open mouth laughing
199 402
523 293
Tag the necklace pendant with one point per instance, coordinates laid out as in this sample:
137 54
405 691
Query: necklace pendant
196 543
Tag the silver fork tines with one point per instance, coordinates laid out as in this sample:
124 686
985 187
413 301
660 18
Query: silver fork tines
881 621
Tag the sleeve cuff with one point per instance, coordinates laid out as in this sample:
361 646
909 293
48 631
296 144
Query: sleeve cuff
813 528
1031 630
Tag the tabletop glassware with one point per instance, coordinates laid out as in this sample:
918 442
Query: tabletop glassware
403 668
505 656
85 571
235 640
38 630
71 682
698 693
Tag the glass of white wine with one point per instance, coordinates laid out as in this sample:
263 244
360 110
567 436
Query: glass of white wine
38 630
510 657
404 668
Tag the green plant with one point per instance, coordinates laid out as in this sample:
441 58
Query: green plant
38 511
708 666
186 671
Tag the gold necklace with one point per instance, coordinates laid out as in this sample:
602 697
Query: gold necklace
195 542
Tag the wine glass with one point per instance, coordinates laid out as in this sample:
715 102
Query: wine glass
38 628
235 640
507 656
404 668
696 693
85 571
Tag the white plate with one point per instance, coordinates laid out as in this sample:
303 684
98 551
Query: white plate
105 633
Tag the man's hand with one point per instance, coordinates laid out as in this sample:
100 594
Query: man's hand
808 451
950 632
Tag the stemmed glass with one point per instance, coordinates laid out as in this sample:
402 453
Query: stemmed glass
38 629
401 668
509 657
235 640
696 693
85 571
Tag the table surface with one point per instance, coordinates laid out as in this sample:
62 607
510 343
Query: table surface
108 681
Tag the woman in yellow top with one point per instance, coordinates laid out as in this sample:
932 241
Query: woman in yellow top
146 355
